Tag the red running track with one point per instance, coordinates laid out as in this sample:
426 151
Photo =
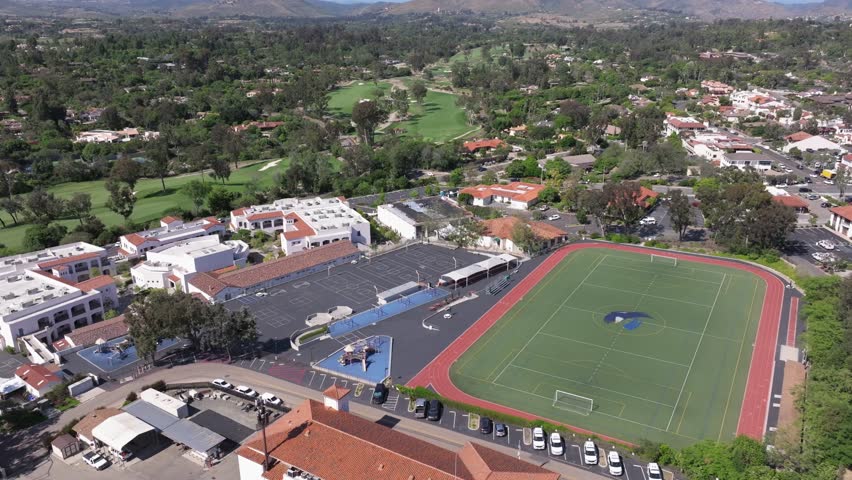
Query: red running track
755 407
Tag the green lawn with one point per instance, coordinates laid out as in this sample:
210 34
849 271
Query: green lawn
439 119
340 101
675 376
152 200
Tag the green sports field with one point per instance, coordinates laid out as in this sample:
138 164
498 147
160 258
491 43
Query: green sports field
672 371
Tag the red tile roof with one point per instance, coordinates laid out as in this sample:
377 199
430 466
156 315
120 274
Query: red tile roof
336 392
503 227
520 191
265 216
677 123
106 330
645 196
844 211
790 201
264 272
169 220
95 283
37 376
340 446
479 144
70 259
239 211
174 278
301 228
798 137
137 239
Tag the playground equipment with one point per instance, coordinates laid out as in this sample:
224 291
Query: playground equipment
359 351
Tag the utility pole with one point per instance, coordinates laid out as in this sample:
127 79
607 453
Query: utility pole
262 420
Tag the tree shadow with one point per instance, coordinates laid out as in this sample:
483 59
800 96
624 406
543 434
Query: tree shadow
162 193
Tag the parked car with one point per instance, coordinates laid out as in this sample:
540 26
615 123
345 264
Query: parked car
648 221
271 399
813 196
826 244
380 394
825 205
420 407
222 384
246 391
554 217
95 461
500 430
538 440
590 453
543 208
261 294
435 409
486 426
615 466
654 472
804 189
557 446
828 182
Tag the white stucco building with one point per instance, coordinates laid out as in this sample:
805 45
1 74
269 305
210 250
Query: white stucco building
713 146
170 266
304 223
171 230
74 262
419 218
814 143
743 160
681 125
516 195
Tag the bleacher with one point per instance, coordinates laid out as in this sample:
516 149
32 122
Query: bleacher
498 285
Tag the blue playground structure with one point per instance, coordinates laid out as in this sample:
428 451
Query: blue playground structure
377 314
367 360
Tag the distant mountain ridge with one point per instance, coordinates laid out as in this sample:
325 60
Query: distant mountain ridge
704 9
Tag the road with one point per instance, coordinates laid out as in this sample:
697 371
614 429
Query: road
293 394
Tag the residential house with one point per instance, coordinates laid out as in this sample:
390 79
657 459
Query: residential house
717 88
38 380
499 233
516 195
798 204
483 145
682 125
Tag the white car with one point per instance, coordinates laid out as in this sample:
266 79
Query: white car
590 453
271 399
654 472
539 442
95 461
648 221
557 447
261 294
615 466
826 244
554 217
246 391
448 315
222 384
543 208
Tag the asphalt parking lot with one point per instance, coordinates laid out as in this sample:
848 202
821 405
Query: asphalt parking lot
285 308
9 363
803 244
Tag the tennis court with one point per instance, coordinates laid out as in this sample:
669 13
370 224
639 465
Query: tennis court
625 344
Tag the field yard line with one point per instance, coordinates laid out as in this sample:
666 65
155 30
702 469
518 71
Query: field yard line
613 349
685 406
645 321
502 324
551 316
739 357
662 274
600 413
695 355
694 269
498 365
592 386
578 364
652 296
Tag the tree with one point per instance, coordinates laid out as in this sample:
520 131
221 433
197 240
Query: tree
622 200
516 169
557 169
43 207
221 169
549 195
524 237
841 179
41 236
576 113
489 177
197 192
457 177
681 213
159 159
466 233
13 206
111 119
399 97
419 91
80 206
228 331
126 170
121 199
367 115
220 201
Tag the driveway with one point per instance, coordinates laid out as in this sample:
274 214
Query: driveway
803 244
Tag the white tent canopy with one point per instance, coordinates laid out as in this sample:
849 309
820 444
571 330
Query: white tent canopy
118 431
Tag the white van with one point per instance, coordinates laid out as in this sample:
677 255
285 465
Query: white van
615 466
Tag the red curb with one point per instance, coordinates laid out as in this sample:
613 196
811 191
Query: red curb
755 407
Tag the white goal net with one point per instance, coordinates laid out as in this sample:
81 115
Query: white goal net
662 259
573 402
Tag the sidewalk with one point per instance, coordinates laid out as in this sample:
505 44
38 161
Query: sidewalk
294 394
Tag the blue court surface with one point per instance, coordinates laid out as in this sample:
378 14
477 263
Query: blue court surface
109 357
347 361
377 314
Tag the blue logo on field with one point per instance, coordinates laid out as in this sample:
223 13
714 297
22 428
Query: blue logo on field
631 320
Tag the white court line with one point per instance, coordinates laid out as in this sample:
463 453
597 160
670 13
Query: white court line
593 386
652 296
613 349
694 355
550 318
662 274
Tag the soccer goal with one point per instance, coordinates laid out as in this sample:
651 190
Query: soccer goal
662 259
573 402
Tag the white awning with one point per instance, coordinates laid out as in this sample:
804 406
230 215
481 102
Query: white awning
9 385
118 431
